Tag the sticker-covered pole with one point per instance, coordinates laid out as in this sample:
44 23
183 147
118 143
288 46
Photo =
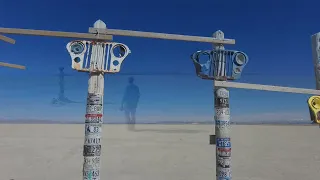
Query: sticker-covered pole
94 119
97 58
222 117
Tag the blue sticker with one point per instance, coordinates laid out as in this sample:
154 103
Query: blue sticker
223 142
224 178
222 123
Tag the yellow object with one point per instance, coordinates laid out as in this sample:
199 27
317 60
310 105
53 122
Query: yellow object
314 108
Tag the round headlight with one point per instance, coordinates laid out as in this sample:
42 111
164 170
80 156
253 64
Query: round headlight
240 59
77 47
316 103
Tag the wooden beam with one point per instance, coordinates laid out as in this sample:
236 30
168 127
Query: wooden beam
161 36
107 35
7 39
54 34
12 65
266 87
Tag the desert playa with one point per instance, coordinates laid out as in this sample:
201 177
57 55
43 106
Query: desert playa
159 152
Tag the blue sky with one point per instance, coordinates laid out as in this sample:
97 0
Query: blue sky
276 35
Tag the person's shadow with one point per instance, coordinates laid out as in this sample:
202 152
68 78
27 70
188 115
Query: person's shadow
129 105
130 102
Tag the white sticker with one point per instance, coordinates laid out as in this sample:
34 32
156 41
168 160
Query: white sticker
222 123
92 129
222 93
92 140
94 109
224 172
222 111
94 99
91 162
224 151
224 162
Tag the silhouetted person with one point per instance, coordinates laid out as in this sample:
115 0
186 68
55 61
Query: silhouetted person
130 102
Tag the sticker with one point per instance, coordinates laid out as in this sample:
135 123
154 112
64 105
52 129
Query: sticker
91 150
223 152
222 93
222 111
221 102
94 118
94 109
224 162
91 174
92 140
224 172
91 162
222 118
91 129
94 99
222 124
224 178
223 142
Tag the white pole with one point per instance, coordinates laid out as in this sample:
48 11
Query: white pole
222 118
94 117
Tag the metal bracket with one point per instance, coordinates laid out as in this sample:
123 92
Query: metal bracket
98 32
212 140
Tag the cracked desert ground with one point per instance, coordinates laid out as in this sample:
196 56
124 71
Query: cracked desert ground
159 152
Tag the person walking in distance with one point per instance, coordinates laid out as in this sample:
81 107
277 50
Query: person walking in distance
129 103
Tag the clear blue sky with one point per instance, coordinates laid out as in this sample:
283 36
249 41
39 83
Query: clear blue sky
275 34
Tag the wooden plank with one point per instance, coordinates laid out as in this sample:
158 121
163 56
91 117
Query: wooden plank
7 39
111 32
54 34
12 65
161 36
266 87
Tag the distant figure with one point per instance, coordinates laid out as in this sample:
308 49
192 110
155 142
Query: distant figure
62 99
130 102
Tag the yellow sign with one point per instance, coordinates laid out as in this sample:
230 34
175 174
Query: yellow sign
314 108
